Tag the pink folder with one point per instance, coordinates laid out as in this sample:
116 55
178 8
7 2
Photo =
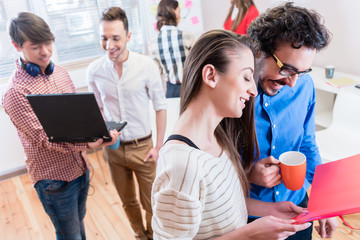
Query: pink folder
335 190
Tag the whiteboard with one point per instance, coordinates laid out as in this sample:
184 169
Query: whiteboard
190 12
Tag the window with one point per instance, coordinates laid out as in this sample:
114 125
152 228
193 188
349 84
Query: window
134 12
8 9
75 24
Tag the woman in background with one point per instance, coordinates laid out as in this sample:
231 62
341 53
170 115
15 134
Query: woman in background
241 14
171 45
200 190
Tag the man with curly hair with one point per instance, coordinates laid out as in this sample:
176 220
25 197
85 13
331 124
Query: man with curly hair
289 38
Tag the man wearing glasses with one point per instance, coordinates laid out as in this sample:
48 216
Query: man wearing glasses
289 38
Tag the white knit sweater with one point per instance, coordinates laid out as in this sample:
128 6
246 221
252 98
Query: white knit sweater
195 195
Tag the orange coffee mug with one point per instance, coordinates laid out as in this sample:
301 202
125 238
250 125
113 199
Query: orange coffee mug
293 169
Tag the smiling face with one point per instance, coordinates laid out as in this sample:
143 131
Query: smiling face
37 53
114 39
271 81
237 85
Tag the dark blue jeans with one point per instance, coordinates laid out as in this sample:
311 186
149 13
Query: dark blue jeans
65 203
172 90
301 235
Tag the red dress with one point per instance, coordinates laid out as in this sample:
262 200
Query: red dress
251 14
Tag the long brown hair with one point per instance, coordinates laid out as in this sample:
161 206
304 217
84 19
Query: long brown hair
165 13
235 135
243 6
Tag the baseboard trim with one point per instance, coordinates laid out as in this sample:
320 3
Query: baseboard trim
13 173
17 171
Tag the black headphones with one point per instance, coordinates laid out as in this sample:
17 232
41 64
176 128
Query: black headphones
33 70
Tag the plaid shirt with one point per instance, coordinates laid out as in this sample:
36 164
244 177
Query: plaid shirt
44 160
170 48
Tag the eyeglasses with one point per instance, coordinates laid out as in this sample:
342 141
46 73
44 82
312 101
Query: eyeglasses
289 71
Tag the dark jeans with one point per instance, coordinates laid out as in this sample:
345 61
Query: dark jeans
301 235
172 90
65 203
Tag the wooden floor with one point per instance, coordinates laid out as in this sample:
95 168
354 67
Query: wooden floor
22 216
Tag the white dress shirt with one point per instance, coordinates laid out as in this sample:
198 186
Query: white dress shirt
127 98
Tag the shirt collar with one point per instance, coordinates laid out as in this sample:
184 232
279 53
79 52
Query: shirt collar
167 27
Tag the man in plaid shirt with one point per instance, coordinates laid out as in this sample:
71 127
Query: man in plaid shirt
58 171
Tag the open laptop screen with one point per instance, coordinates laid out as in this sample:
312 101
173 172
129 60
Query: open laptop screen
69 117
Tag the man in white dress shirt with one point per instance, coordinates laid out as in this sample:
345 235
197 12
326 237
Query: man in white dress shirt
123 82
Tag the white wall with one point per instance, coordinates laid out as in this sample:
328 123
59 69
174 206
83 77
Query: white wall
11 152
341 17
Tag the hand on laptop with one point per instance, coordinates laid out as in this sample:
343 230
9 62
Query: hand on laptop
100 142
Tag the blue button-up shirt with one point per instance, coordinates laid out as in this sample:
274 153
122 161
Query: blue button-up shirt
286 122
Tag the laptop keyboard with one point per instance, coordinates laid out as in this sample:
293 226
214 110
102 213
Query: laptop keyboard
115 125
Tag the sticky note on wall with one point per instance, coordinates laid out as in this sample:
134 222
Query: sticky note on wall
194 20
188 4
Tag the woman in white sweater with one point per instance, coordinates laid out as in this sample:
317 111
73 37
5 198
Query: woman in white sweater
201 189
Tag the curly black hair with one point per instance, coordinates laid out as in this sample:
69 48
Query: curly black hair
288 23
